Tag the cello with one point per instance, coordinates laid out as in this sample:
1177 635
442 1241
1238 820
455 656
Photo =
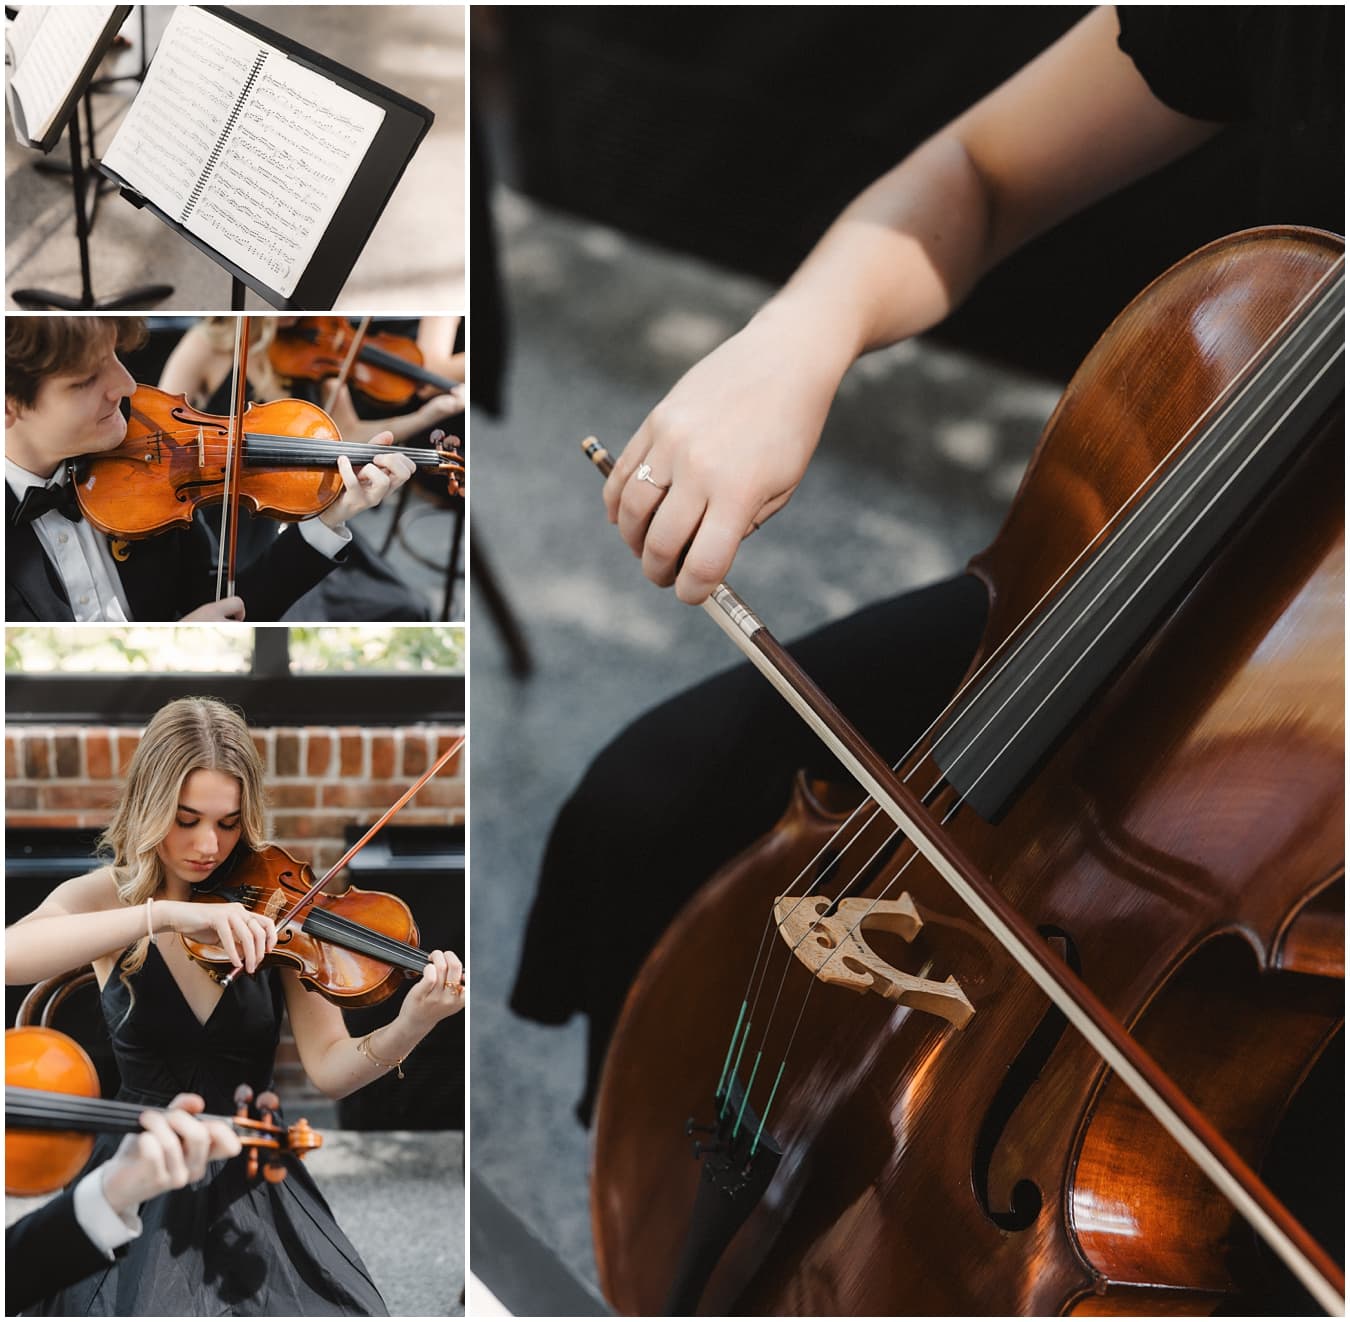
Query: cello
1141 780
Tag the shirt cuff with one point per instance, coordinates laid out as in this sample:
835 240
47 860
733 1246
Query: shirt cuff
330 542
107 1230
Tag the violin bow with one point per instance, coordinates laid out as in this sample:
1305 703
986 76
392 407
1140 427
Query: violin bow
1197 1137
234 454
341 379
370 835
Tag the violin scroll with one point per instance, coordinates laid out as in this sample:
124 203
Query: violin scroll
452 461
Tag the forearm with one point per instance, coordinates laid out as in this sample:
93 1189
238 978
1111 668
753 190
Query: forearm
1069 128
343 1069
898 259
42 946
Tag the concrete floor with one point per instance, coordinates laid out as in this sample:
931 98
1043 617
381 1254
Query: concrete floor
379 1185
414 260
922 452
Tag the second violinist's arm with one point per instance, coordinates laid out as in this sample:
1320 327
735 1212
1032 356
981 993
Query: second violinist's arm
189 367
329 1053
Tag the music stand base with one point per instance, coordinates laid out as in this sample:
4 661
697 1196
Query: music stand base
143 296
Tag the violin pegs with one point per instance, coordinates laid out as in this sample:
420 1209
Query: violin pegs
269 1101
274 1172
243 1095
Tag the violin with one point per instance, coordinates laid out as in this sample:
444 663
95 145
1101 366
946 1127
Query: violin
174 460
354 949
387 369
1137 790
53 1109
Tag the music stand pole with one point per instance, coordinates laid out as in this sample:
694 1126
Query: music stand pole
140 297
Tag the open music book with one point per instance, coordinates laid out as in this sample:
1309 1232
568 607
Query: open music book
242 146
52 51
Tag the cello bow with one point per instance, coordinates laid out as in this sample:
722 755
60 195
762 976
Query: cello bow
1137 1070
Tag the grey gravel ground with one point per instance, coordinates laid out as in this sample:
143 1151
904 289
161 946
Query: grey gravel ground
922 452
414 260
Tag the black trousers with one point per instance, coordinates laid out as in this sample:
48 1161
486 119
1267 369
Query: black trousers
694 781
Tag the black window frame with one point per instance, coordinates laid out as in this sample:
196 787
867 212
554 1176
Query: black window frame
270 694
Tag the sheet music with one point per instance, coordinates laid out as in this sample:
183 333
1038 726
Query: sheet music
247 149
51 45
286 165
183 106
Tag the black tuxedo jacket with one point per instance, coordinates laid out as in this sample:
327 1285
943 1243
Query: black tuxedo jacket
46 1251
163 577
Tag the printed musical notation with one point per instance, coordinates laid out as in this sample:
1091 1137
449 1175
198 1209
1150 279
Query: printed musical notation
247 149
49 47
288 161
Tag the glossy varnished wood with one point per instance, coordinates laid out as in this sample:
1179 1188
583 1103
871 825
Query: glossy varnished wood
173 460
1183 845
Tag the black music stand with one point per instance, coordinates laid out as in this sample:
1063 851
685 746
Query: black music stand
68 117
405 123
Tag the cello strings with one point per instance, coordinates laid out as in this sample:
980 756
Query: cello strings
1004 653
1021 642
1228 447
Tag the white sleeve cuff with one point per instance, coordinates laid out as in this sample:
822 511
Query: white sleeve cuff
330 542
105 1228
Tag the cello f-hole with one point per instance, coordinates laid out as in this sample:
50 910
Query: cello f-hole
1025 1200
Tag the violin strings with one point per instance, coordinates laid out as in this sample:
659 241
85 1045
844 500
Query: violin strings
285 446
1323 291
341 930
36 1105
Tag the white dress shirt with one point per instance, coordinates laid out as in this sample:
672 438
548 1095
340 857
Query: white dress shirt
107 1229
78 551
83 557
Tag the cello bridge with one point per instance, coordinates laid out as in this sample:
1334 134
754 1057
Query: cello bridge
834 947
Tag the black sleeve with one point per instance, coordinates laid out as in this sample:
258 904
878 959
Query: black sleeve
46 1251
1282 66
269 584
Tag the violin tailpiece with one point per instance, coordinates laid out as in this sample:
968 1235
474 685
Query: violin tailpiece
833 947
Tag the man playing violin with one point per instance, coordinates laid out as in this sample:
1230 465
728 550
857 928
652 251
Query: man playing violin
81 1229
64 393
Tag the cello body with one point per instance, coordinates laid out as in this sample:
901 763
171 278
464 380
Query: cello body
1181 846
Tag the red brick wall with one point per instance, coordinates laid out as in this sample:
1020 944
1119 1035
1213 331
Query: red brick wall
320 779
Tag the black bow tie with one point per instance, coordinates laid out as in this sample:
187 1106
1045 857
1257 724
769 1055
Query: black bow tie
37 501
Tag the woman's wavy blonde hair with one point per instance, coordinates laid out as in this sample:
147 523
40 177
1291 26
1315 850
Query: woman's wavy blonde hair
187 735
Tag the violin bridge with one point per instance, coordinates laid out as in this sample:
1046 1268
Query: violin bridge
834 948
201 448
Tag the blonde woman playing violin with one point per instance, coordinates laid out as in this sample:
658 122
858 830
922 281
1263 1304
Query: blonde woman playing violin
221 1244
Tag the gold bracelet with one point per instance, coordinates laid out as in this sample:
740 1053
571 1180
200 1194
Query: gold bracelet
363 1046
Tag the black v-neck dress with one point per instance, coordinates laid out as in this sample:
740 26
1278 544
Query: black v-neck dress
224 1245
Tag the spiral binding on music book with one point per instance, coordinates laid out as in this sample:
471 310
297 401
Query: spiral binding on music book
205 177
